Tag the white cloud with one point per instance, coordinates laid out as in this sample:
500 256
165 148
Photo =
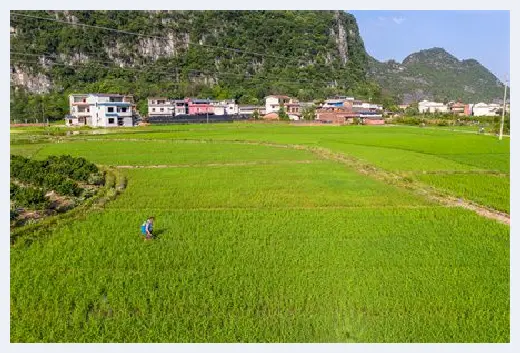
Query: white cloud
398 20
381 18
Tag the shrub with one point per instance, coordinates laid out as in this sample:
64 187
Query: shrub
96 179
13 189
31 197
68 187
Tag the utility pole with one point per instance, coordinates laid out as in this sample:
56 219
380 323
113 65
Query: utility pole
43 111
503 110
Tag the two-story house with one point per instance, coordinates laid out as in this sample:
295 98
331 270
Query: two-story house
100 110
273 104
160 107
225 107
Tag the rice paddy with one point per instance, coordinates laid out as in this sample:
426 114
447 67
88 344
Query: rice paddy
273 243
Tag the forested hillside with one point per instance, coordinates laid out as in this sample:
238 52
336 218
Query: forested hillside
218 54
437 75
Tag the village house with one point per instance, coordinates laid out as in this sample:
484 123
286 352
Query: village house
273 104
457 108
180 107
199 106
336 110
426 106
483 109
225 107
375 119
160 107
468 109
100 110
250 109
335 115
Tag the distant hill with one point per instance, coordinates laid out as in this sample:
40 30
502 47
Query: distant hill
437 75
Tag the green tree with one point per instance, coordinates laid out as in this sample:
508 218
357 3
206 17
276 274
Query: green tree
412 110
282 114
309 113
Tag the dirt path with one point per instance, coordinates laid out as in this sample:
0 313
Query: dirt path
415 186
452 172
213 164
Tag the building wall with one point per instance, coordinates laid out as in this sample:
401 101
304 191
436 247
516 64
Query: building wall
483 110
374 122
219 110
335 118
180 110
194 109
156 110
272 105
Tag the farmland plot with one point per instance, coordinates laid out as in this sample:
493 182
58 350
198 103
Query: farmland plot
269 252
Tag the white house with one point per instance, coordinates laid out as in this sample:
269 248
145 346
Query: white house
100 110
273 104
158 106
483 109
225 107
432 107
250 109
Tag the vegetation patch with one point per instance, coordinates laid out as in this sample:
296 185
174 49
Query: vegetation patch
41 188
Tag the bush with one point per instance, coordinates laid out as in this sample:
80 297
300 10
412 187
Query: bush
53 173
96 179
13 189
68 187
31 197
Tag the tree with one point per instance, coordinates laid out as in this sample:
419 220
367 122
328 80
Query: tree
412 110
256 116
282 114
309 113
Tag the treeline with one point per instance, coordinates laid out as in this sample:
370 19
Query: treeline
490 123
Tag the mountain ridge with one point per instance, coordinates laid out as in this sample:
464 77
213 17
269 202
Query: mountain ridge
435 74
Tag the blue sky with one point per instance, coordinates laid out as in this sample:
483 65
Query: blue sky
480 35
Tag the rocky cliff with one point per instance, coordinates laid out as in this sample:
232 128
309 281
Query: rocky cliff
246 54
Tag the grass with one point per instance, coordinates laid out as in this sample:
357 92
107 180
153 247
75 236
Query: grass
26 150
170 152
279 251
488 190
491 161
398 160
215 276
321 184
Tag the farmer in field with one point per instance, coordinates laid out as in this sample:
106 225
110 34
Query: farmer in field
147 228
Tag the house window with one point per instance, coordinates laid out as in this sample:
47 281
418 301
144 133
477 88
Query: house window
110 120
70 121
162 109
110 109
153 109
123 109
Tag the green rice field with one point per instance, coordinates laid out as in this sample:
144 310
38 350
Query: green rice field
261 239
